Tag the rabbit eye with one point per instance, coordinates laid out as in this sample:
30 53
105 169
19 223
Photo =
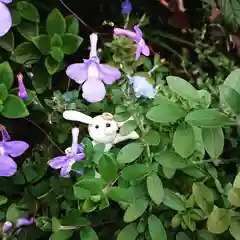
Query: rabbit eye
118 131
96 126
108 125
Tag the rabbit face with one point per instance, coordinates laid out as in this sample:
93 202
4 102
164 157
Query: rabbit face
102 129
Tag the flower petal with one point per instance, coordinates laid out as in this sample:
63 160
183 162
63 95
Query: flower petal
109 74
24 222
6 1
57 162
77 72
5 19
15 148
138 31
127 33
79 157
65 171
6 226
145 50
7 166
93 90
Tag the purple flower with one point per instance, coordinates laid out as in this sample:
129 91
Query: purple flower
74 154
5 135
137 37
10 148
24 222
22 93
6 227
126 7
92 74
5 17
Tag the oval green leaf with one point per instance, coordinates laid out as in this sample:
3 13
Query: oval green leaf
156 228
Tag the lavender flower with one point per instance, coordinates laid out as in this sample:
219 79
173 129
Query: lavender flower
137 37
6 227
74 154
92 74
5 17
10 148
126 7
142 87
22 93
5 135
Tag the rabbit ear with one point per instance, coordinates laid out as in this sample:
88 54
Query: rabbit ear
77 116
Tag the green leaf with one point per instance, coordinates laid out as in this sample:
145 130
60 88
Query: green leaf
236 183
56 225
203 196
57 54
61 235
3 92
81 193
230 97
51 65
13 213
25 53
166 112
94 185
7 41
172 200
204 234
14 107
72 25
207 118
156 228
41 79
28 11
28 29
16 17
219 220
42 42
107 168
135 210
128 127
233 80
3 200
130 152
235 228
155 188
71 43
129 232
56 40
135 172
183 88
152 137
184 140
6 74
121 194
87 233
169 172
213 139
55 23
234 196
170 159
182 236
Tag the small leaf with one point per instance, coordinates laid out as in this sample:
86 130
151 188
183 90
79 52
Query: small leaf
3 92
28 29
56 40
130 152
129 232
236 183
207 118
6 74
166 112
172 200
203 196
3 200
72 25
184 140
28 11
183 88
182 236
87 233
55 23
235 228
128 127
135 172
56 225
107 168
57 54
152 137
156 228
7 41
61 235
16 17
51 65
219 220
71 43
14 107
121 194
233 80
170 159
234 196
25 53
155 188
135 210
213 139
42 42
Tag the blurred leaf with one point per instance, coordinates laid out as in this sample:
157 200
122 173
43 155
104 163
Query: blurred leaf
56 40
16 17
234 196
7 41
236 183
235 228
72 25
156 228
62 235
152 137
88 233
51 65
172 200
233 79
121 194
71 43
57 54
128 127
56 225
135 172
6 74
3 92
42 42
28 11
129 232
28 29
155 188
182 236
3 200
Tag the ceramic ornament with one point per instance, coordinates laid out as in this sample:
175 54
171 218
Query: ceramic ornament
102 128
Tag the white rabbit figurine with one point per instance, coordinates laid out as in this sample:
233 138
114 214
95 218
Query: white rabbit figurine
102 128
